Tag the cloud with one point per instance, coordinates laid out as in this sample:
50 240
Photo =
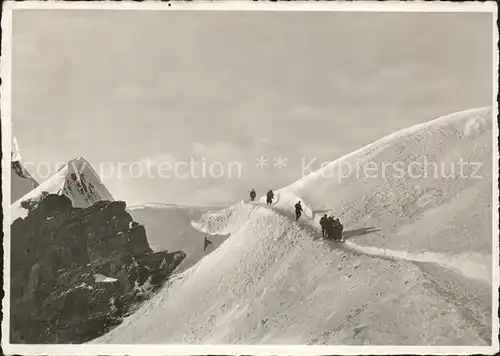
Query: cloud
159 159
262 140
219 151
199 149
308 113
215 196
128 91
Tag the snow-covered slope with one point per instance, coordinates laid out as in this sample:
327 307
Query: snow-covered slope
415 269
77 180
447 208
170 227
21 180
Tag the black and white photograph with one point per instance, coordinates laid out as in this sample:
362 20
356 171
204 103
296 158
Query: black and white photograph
249 178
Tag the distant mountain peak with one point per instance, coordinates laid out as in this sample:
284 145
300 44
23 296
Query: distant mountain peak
21 180
77 180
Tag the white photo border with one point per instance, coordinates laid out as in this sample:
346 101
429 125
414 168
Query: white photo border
173 349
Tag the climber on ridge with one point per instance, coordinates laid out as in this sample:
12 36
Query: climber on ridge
270 197
298 210
329 225
334 229
252 195
339 228
323 222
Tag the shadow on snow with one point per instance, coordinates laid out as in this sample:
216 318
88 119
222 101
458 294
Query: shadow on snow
310 226
359 232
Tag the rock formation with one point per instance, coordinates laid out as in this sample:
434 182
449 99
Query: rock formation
76 272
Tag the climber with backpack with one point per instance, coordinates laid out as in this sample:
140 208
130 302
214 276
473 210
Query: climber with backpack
339 229
298 210
270 197
330 228
252 195
323 222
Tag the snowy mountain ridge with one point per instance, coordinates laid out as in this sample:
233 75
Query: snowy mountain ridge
158 206
473 122
275 281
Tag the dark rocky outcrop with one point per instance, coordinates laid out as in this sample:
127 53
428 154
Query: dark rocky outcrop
75 273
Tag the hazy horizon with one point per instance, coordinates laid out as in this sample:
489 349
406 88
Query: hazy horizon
144 86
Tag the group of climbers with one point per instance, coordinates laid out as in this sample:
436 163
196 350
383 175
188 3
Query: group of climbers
269 196
331 228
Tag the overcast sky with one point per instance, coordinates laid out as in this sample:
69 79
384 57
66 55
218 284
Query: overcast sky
128 86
